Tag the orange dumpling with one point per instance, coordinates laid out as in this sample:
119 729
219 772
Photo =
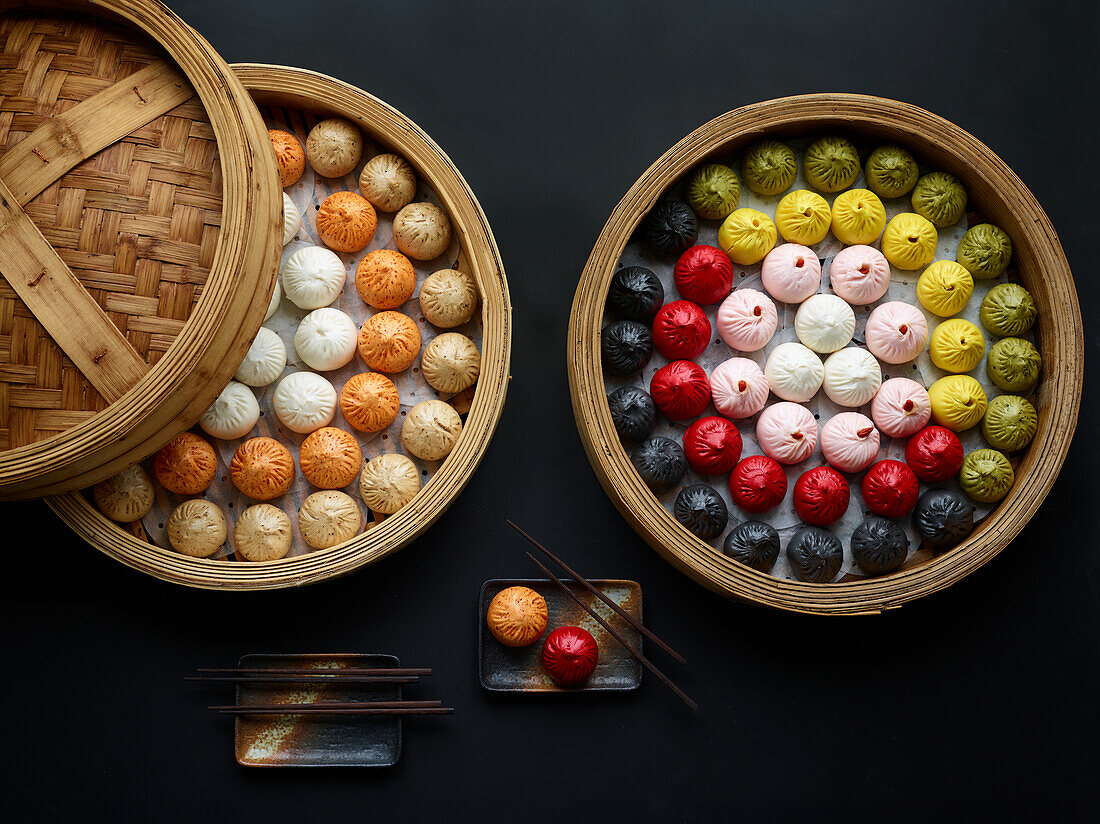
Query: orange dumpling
329 457
346 222
262 468
389 342
385 279
369 402
186 465
289 155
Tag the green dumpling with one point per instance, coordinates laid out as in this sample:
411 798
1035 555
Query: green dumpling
1008 310
831 164
939 198
890 171
986 475
769 167
984 250
713 191
1009 423
1013 364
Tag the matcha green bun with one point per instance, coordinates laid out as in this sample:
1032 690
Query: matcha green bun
986 475
890 171
769 167
713 191
831 164
1008 310
1009 423
1013 364
985 251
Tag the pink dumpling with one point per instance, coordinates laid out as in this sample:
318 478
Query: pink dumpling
787 432
849 441
738 388
859 274
896 332
901 408
791 273
747 320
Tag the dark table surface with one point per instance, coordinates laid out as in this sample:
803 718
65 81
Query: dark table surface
979 702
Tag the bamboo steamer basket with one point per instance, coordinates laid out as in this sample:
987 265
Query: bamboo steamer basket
996 192
138 236
291 88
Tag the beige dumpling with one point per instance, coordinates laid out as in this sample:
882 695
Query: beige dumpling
265 361
388 482
448 298
388 182
232 414
127 496
304 401
275 299
292 219
430 430
422 231
313 277
262 533
334 147
451 363
328 518
196 528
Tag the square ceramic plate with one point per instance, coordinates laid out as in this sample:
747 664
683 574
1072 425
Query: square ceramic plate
326 741
519 669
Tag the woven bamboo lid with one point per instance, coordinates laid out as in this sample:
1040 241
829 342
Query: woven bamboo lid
139 236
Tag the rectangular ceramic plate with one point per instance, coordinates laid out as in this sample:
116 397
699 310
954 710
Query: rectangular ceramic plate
519 669
326 741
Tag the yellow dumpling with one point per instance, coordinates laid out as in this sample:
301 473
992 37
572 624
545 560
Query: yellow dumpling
858 217
909 241
956 345
803 217
747 236
958 402
944 288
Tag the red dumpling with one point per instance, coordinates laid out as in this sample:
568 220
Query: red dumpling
712 445
569 655
758 484
681 330
890 489
703 274
934 454
821 496
680 390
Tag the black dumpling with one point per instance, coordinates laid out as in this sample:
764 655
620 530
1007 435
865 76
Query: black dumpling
633 412
670 228
879 545
753 543
626 346
701 509
660 462
815 554
636 294
943 518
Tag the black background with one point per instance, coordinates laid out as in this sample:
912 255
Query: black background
979 702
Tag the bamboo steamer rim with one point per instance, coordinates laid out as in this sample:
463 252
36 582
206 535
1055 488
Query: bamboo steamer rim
1004 199
175 392
300 88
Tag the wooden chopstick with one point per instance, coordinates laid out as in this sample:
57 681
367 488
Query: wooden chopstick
622 613
303 679
341 673
335 705
291 709
614 634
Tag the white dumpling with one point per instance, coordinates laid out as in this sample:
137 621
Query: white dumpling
794 372
325 339
233 414
304 401
292 219
852 377
313 277
276 299
825 323
265 361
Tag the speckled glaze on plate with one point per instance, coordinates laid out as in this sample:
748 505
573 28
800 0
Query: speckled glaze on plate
519 669
327 741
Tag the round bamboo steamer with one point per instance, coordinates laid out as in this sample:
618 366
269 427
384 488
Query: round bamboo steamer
997 193
300 89
138 242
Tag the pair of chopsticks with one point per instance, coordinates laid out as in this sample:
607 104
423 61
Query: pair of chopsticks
626 616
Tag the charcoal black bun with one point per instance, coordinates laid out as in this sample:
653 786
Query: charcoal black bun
633 412
626 346
670 228
635 294
753 543
879 545
815 554
660 462
701 509
943 518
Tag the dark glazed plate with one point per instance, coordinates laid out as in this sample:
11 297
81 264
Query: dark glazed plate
327 741
519 669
